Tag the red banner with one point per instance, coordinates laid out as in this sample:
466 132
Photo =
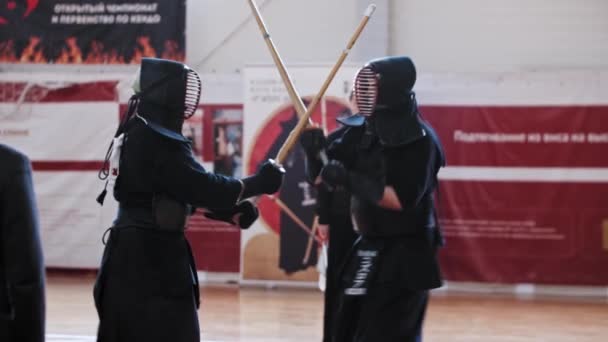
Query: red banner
522 136
216 245
521 232
523 199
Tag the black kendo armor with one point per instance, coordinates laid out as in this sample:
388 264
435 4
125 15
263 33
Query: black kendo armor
169 93
166 93
387 124
384 281
147 288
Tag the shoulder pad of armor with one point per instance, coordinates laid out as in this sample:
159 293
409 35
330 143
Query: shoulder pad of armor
164 131
354 120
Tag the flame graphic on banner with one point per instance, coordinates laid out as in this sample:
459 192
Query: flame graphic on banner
7 52
97 54
145 50
32 52
172 51
71 55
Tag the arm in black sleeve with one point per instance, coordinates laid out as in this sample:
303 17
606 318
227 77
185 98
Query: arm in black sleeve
341 145
313 168
186 180
323 208
22 252
412 170
313 143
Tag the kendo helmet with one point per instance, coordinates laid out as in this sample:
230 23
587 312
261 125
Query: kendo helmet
384 83
386 102
170 85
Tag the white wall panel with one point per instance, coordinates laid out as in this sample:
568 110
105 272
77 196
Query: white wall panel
501 35
309 31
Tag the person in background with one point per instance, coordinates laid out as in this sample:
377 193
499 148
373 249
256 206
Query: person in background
22 282
333 210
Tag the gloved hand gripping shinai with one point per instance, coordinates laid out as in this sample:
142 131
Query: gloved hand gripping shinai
334 174
267 180
313 142
242 214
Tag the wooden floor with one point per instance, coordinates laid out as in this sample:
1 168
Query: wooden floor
256 315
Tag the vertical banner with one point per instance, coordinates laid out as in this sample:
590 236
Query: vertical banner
91 31
65 130
273 249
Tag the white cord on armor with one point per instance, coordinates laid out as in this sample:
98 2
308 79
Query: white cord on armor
141 118
115 160
240 198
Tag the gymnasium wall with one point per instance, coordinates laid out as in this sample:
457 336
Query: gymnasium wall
465 36
470 54
501 35
222 36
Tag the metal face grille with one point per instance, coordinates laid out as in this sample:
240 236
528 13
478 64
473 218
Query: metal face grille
193 93
366 91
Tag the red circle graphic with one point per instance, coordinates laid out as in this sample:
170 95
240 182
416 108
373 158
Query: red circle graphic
273 133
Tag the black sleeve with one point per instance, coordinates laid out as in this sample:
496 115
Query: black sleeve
313 168
335 149
185 179
412 170
342 145
21 250
324 199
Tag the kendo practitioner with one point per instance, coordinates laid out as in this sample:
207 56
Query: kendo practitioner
334 221
22 284
147 287
387 159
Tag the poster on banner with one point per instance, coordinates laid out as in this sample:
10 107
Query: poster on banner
91 31
274 248
65 129
227 126
217 131
523 199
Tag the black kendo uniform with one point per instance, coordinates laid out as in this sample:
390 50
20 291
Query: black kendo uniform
333 209
147 288
22 300
384 284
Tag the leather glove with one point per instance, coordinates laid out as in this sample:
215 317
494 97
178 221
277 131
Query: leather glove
334 174
267 180
313 141
242 214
